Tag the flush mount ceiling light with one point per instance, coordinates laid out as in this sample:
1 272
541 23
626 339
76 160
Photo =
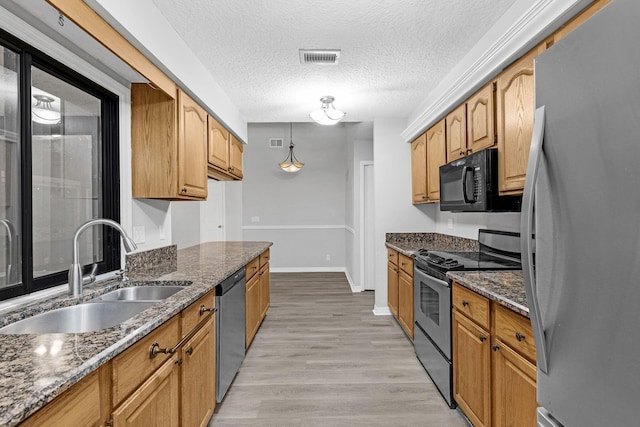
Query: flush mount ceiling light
43 112
327 114
291 163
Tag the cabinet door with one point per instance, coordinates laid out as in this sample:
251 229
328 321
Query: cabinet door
235 157
419 169
252 308
405 302
265 290
457 133
154 403
392 288
515 108
192 148
480 120
472 370
198 397
218 142
514 388
436 157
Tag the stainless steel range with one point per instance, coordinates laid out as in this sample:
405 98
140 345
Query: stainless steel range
499 250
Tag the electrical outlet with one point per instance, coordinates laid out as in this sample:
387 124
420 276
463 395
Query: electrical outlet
138 234
450 224
255 219
328 257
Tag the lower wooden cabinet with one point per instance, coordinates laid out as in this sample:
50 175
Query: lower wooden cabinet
252 306
265 290
392 287
258 294
405 302
400 289
198 397
494 371
155 402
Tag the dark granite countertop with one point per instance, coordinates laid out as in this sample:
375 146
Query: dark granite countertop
408 243
35 368
505 287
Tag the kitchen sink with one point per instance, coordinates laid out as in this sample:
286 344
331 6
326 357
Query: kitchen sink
78 318
139 293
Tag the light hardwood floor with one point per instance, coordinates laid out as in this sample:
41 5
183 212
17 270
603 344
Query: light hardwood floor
321 358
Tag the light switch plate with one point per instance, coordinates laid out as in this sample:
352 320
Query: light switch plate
255 219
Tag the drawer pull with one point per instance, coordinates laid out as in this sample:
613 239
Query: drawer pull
520 337
482 338
155 350
465 303
179 362
495 347
204 310
189 351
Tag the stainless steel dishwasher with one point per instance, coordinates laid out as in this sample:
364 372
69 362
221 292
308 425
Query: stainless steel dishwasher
230 331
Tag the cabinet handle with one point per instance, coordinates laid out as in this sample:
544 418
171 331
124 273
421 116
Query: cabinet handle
184 190
469 151
482 338
495 347
520 337
189 351
204 310
462 153
395 270
424 197
155 350
179 362
465 303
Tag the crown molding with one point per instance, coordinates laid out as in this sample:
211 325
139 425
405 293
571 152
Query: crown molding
539 21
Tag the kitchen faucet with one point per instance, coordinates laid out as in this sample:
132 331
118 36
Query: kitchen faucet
76 279
12 256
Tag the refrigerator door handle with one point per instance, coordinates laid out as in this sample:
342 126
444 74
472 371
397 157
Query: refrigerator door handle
526 231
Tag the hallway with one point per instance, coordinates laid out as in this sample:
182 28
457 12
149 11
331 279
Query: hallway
321 358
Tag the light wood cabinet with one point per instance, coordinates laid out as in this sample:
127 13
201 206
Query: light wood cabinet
436 157
392 281
265 290
405 294
87 403
493 362
481 119
155 402
419 170
472 370
579 20
252 302
456 133
168 145
224 158
515 108
198 389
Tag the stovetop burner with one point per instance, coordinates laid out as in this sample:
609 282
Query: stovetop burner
465 261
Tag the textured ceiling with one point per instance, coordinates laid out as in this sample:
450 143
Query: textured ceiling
393 52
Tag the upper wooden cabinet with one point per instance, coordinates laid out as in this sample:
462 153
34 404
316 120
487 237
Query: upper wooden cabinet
515 107
224 159
419 169
436 157
456 133
481 119
168 145
579 20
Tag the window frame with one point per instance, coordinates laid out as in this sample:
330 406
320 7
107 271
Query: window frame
110 191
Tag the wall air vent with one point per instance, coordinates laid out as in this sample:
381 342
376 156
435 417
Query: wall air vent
276 143
319 56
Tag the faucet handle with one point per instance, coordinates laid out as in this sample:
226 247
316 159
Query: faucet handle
122 273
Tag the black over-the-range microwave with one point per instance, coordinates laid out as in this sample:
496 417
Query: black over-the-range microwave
470 184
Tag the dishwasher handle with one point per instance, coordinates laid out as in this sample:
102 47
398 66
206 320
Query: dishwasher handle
227 284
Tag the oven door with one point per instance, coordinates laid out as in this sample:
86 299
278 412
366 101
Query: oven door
432 308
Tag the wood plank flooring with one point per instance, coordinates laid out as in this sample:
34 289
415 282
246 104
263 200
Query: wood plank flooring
321 358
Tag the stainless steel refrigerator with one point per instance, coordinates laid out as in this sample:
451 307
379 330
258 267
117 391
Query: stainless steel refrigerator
584 211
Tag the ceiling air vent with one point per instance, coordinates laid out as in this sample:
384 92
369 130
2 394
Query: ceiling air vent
319 56
276 143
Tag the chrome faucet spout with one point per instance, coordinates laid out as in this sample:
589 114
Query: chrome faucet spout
76 279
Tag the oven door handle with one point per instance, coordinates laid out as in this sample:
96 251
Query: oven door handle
465 173
526 240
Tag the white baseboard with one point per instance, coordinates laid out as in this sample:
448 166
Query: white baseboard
307 270
352 285
381 311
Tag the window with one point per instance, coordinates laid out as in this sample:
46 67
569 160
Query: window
58 169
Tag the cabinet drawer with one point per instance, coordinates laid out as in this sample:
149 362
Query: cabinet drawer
134 366
406 264
193 314
474 306
515 331
264 257
392 256
251 268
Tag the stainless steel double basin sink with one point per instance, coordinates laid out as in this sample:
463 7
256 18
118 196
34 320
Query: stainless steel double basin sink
102 312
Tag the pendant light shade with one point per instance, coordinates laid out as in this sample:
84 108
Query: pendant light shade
327 114
291 163
44 112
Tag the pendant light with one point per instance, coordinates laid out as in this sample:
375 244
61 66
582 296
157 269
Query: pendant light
43 112
327 114
291 163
